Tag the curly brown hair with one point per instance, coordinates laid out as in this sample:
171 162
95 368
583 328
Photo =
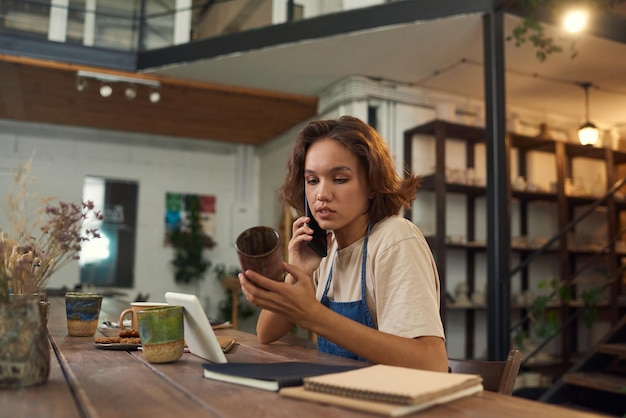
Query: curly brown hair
391 191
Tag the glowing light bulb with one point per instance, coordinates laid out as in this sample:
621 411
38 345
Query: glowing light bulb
575 21
588 134
106 90
155 96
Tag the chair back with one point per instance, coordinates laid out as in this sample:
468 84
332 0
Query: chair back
498 376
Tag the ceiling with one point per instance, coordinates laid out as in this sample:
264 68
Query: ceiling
443 54
251 97
45 92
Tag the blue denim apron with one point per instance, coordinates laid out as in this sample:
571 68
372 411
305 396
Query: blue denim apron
356 310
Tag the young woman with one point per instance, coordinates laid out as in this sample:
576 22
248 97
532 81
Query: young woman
375 296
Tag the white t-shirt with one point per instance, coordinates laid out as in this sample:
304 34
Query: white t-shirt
402 284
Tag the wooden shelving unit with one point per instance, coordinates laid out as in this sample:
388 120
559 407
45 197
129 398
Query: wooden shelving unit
566 256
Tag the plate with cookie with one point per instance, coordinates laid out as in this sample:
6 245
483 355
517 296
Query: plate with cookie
128 340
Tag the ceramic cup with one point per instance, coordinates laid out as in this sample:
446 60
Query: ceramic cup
259 249
134 308
83 311
162 333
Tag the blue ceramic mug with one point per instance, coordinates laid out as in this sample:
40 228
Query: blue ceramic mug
83 311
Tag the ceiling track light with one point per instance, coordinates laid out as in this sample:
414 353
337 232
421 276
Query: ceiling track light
155 96
106 90
81 84
130 92
588 133
108 80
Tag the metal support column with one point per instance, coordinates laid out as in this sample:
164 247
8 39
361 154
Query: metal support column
290 8
498 210
142 27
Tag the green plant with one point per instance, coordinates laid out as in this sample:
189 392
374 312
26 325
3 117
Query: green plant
222 271
533 31
546 320
591 298
189 242
225 306
520 337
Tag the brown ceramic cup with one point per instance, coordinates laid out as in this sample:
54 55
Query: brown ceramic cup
259 248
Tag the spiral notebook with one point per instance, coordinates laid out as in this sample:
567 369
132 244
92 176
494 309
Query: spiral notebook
386 390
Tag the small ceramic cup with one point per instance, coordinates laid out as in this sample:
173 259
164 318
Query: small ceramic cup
134 308
259 249
162 333
83 311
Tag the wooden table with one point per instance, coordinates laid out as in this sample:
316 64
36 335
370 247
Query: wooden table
90 382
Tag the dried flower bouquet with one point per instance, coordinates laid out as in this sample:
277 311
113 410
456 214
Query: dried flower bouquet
38 248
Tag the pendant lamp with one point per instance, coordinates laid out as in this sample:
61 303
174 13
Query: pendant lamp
588 133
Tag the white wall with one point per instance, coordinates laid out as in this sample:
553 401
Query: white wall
64 155
273 166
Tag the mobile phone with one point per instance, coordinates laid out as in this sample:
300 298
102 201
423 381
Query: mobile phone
318 244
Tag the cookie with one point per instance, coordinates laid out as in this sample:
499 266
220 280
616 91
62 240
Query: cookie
133 340
108 340
129 333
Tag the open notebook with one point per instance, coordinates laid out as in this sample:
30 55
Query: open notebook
386 390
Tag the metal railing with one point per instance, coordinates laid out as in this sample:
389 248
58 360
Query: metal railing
525 263
130 26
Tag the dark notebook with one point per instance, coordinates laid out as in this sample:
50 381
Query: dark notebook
270 376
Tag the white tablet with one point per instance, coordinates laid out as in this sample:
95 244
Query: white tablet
199 335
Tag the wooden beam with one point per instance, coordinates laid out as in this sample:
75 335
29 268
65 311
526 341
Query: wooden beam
45 91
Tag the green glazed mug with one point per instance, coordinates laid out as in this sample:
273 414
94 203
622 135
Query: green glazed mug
162 333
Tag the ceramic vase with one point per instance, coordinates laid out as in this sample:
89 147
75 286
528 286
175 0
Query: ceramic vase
24 345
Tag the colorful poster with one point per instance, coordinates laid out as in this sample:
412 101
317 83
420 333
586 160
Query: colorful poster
177 206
